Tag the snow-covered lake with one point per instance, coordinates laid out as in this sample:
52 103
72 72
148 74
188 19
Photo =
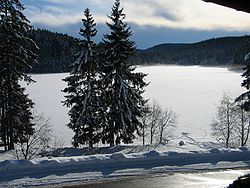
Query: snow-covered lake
191 91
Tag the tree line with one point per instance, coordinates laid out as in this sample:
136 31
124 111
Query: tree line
218 51
58 50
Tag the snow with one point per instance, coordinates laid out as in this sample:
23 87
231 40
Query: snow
175 87
73 166
172 86
48 96
193 92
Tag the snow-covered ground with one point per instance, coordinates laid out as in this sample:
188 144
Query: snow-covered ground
73 166
178 87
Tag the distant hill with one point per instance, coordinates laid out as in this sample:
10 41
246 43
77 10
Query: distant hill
165 47
220 51
155 54
57 52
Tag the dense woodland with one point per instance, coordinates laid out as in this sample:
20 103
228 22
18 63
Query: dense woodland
220 51
57 52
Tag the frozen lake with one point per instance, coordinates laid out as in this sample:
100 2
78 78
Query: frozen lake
192 91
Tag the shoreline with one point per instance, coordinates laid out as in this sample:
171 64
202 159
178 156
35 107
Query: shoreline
233 68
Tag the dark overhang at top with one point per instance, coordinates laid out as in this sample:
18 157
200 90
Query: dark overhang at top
240 5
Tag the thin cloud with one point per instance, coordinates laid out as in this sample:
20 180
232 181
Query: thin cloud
178 14
167 15
183 14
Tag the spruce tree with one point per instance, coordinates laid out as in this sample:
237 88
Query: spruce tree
244 99
122 86
83 88
17 54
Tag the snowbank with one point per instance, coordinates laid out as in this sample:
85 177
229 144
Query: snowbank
54 170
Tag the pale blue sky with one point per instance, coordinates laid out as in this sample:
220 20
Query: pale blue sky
152 21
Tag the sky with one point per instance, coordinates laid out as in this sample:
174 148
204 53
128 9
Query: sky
152 21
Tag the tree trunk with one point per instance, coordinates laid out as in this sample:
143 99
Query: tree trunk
90 144
151 136
4 139
143 133
228 128
242 128
8 140
247 134
112 140
90 138
11 146
3 127
5 145
161 135
143 136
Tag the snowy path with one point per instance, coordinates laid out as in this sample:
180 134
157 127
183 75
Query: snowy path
47 171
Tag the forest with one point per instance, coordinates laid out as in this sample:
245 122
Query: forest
57 52
218 51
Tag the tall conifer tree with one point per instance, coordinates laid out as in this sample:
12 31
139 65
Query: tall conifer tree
122 86
244 99
17 54
83 88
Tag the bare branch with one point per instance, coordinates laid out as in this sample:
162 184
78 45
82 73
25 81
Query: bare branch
36 143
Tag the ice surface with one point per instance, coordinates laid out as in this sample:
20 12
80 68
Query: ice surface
48 96
192 91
